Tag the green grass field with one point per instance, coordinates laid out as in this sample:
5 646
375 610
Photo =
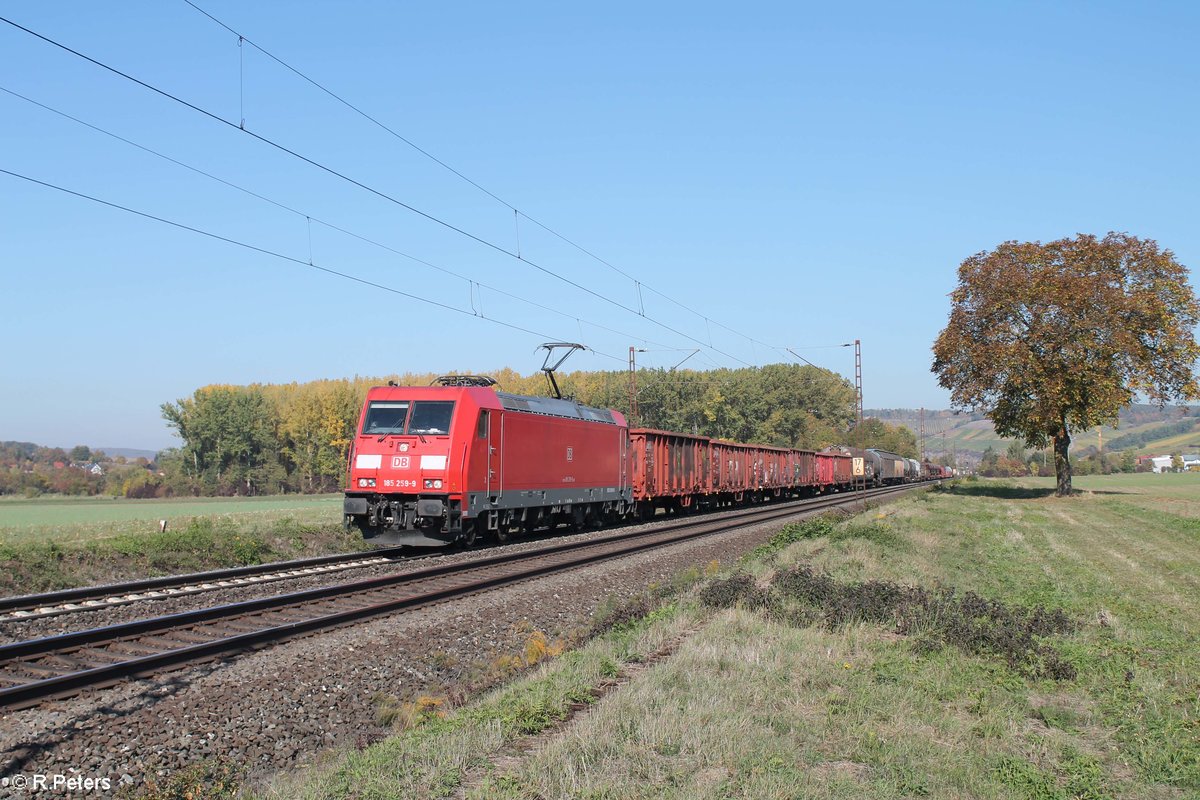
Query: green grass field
861 690
72 519
55 543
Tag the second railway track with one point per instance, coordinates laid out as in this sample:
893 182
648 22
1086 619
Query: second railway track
87 598
34 670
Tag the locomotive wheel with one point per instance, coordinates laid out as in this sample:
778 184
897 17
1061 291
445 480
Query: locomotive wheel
469 535
501 535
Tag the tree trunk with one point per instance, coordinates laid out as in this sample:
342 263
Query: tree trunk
1062 462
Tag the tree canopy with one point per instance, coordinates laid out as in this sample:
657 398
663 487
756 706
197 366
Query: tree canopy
1050 338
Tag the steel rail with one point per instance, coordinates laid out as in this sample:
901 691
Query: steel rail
83 594
19 654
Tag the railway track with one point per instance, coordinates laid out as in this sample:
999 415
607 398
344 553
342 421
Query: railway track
85 598
38 669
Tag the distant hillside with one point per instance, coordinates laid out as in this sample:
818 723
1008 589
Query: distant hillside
28 450
1144 427
129 452
1187 442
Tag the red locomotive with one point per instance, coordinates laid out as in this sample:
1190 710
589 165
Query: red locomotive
438 464
434 464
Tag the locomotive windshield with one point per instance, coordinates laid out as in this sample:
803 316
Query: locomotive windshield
431 416
386 417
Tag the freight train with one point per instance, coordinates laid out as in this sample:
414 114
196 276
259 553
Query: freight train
460 460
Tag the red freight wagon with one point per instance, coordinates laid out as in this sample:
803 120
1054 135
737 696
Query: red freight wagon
834 470
776 469
804 466
433 464
668 469
732 469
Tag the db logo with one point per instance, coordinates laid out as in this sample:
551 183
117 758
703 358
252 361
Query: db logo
399 462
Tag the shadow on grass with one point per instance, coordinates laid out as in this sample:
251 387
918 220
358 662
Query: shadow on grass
1015 492
1002 492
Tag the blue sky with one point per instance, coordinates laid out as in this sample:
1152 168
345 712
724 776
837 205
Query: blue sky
803 174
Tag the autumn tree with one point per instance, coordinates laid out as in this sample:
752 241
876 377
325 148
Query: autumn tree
317 426
883 436
1058 337
230 438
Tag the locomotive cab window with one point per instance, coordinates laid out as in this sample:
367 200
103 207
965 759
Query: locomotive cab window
431 417
385 417
481 428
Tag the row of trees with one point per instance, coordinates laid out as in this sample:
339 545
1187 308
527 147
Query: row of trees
30 469
1134 440
262 439
1017 462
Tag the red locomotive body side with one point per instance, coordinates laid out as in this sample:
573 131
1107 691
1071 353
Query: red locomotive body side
433 464
550 455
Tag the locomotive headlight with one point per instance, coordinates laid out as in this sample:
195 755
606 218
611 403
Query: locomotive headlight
431 483
437 484
366 483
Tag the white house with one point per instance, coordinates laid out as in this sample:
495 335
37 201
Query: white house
1163 463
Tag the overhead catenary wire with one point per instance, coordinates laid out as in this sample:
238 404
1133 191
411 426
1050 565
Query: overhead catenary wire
309 219
242 38
285 257
379 193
